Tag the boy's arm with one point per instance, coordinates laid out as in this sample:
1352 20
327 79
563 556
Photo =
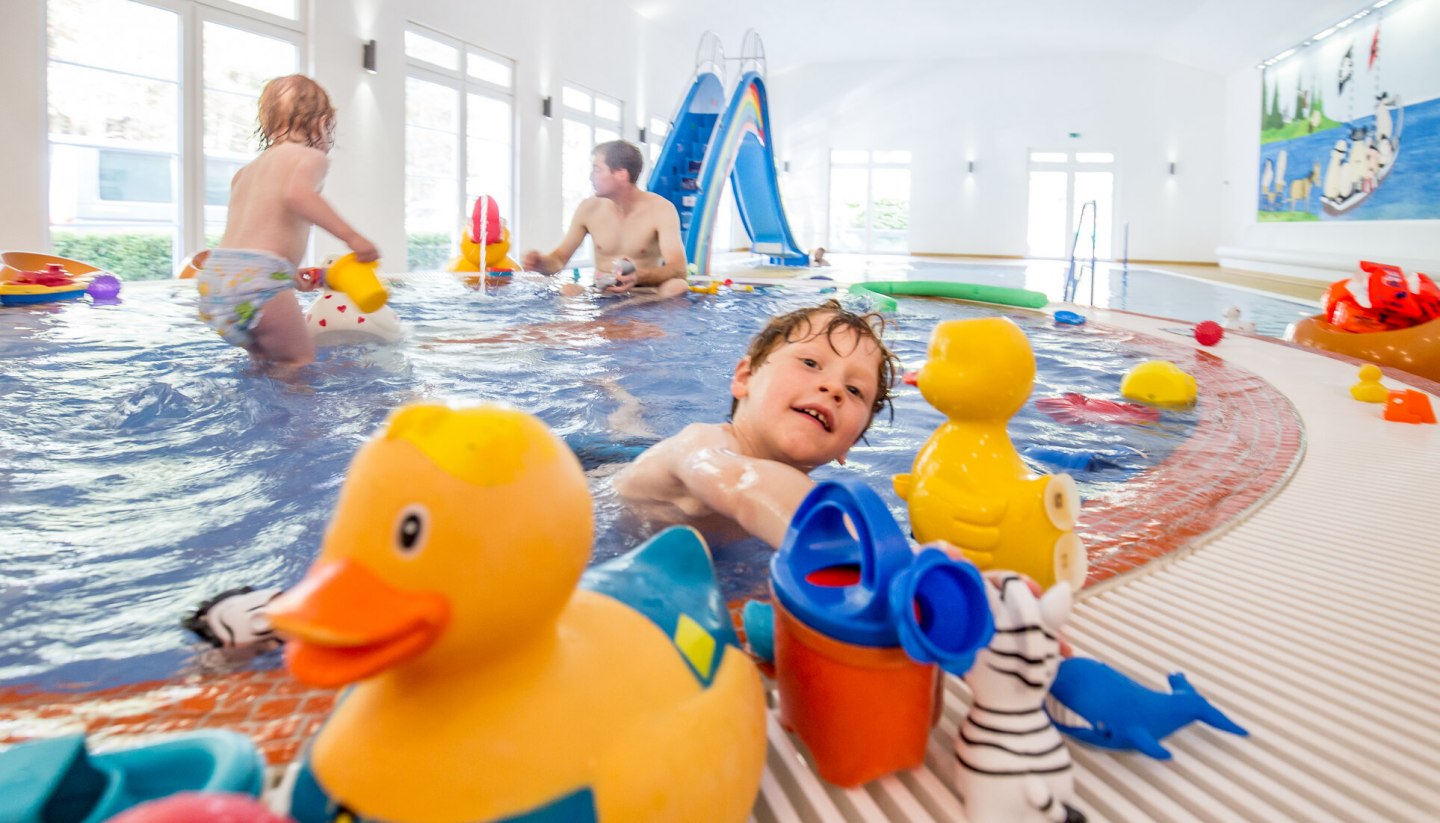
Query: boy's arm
760 495
556 259
303 197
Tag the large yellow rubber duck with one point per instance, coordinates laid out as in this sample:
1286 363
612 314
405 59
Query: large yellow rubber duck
496 254
968 486
488 687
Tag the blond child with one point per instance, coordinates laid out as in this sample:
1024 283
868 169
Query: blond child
247 285
805 392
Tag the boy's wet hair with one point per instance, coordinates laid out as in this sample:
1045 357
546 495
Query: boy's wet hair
295 105
799 325
619 154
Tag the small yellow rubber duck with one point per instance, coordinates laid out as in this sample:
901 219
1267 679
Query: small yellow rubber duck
488 687
968 486
1370 389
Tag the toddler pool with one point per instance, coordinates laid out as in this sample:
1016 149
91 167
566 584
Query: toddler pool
145 464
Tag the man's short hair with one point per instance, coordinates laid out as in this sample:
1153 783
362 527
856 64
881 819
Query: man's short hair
619 154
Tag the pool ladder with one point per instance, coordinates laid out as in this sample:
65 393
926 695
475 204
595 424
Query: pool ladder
1075 272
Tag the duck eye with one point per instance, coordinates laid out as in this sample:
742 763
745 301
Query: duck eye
411 529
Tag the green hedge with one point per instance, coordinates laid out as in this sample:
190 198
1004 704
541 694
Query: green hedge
427 251
132 256
150 256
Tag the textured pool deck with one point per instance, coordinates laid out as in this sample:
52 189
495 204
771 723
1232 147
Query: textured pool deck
1288 568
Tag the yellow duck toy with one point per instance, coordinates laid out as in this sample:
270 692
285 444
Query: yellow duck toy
1370 389
1159 383
487 686
968 486
485 225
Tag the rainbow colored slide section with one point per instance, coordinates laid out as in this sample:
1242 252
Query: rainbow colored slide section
705 144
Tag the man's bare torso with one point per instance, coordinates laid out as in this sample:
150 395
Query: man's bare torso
636 235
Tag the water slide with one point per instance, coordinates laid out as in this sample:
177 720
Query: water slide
708 142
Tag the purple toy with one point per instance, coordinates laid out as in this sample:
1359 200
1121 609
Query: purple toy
104 290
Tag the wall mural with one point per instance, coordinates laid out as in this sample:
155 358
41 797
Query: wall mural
1350 125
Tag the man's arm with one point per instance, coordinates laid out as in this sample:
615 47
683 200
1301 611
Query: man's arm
556 259
303 197
672 249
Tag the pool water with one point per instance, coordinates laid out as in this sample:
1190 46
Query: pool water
146 465
1140 290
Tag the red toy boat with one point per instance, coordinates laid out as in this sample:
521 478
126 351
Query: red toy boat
1074 408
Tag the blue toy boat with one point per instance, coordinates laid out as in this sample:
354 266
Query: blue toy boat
56 781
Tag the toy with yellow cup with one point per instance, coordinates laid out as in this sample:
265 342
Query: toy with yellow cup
968 486
358 281
490 681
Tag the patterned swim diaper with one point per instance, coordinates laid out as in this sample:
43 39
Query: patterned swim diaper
234 287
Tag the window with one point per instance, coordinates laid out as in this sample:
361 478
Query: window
1060 186
869 201
655 136
122 108
459 141
591 118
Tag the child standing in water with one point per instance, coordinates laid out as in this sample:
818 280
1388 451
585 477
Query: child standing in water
247 285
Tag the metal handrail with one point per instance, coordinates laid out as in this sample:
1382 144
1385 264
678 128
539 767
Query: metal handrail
1072 277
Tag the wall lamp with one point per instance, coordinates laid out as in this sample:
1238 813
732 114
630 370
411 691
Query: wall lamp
970 167
642 134
367 58
1172 166
545 107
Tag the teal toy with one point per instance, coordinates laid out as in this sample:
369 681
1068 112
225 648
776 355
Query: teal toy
56 781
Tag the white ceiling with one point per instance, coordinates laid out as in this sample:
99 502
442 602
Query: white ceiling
1214 35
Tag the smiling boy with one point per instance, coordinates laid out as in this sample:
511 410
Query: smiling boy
804 393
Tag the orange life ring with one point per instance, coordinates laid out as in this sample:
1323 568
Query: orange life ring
1415 350
190 265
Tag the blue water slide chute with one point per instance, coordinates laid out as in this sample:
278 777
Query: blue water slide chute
695 162
676 173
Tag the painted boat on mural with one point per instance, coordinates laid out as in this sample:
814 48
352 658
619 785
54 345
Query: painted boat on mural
1340 205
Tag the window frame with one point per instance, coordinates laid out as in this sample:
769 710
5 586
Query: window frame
870 165
189 152
460 80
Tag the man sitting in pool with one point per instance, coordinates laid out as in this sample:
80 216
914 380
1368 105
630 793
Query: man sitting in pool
627 225
805 392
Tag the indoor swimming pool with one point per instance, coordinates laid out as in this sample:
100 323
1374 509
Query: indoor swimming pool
151 465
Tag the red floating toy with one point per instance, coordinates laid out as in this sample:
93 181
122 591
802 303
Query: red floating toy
1208 333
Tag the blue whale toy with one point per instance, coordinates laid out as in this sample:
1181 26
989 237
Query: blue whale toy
1122 714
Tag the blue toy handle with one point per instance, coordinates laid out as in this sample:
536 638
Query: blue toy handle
759 621
942 611
818 539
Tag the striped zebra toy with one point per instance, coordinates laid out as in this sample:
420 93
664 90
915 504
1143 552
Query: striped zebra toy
1013 764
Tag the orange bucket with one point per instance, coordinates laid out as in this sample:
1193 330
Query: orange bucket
863 711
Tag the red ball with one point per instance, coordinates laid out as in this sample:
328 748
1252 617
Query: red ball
1209 333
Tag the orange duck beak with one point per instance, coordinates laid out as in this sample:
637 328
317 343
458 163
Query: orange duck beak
344 623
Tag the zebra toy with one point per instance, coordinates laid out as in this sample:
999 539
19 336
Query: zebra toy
1013 764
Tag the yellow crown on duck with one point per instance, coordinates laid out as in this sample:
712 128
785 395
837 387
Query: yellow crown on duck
484 445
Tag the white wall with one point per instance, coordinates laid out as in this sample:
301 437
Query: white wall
551 41
22 138
1324 251
1147 111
